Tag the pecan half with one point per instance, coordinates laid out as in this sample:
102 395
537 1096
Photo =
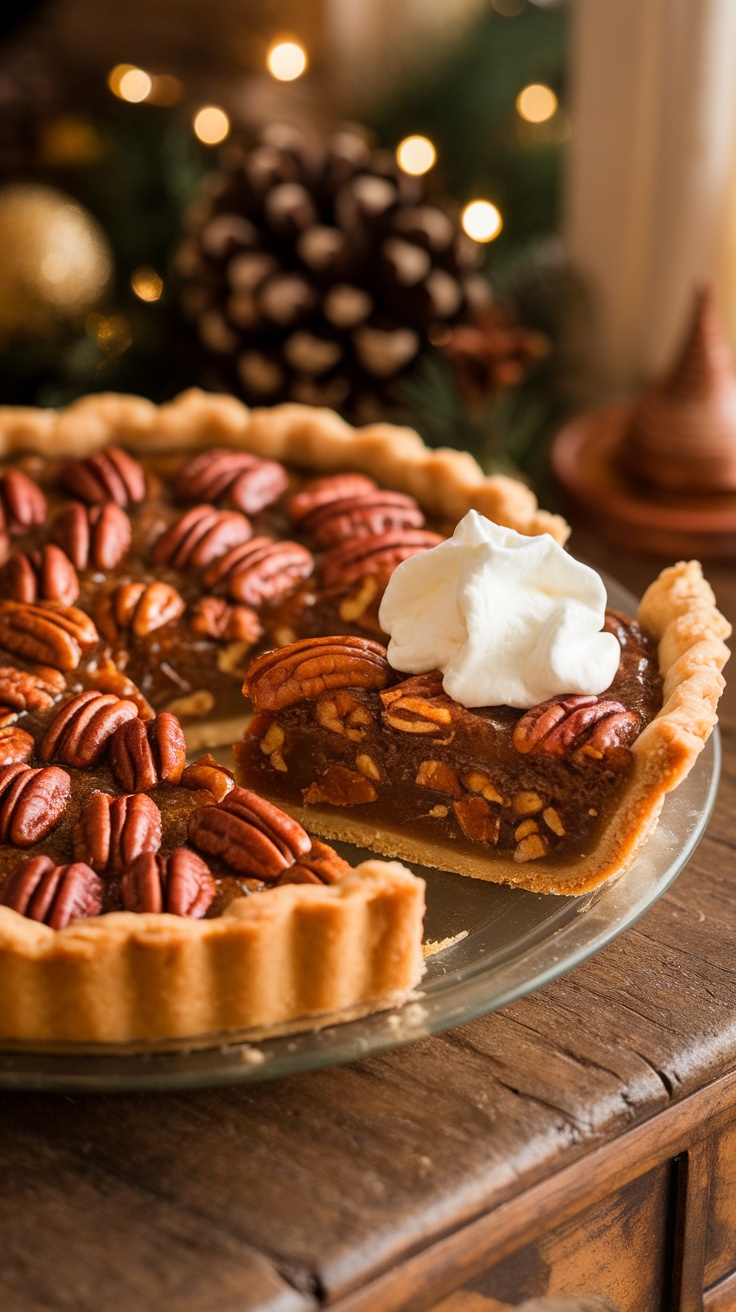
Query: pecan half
214 617
137 608
46 575
110 475
321 865
143 755
108 678
419 705
340 786
260 570
54 895
202 535
361 515
377 555
313 666
21 691
207 773
180 885
112 831
249 834
47 633
95 537
322 491
15 745
244 480
81 730
22 503
31 802
587 724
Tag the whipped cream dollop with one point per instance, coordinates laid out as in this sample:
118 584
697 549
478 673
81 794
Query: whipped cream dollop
510 620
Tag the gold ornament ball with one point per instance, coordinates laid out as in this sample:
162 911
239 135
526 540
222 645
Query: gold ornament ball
55 260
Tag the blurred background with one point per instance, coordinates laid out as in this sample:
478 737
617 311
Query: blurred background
471 215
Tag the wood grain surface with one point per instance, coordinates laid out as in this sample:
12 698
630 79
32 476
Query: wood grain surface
320 1188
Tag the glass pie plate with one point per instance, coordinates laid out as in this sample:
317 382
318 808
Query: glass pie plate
504 943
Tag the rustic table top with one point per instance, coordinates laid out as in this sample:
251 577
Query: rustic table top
291 1194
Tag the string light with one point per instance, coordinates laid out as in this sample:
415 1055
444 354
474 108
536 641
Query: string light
211 124
536 103
481 220
416 155
286 60
130 83
147 284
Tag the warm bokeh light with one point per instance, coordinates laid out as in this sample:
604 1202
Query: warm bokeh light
211 125
147 284
536 103
130 83
416 155
286 60
481 220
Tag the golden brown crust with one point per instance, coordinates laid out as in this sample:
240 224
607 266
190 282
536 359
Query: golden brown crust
300 950
447 483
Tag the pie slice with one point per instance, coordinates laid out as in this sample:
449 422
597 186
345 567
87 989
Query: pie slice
556 799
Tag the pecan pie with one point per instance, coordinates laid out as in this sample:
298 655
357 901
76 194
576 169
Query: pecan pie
147 555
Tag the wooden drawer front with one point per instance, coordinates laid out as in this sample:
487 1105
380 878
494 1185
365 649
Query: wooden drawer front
720 1251
617 1249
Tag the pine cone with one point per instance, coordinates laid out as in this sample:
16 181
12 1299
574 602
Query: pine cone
316 271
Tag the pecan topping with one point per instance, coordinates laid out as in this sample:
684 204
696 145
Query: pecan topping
419 705
54 895
587 724
110 475
214 617
313 666
340 787
361 515
47 633
138 608
260 570
202 535
181 884
143 755
22 503
321 865
207 773
79 733
322 491
247 482
379 555
112 831
20 691
95 537
31 802
249 834
15 745
46 575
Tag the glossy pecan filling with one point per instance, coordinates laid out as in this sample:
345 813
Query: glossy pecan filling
132 595
156 579
339 731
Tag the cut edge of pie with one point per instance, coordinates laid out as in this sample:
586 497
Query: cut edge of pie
679 611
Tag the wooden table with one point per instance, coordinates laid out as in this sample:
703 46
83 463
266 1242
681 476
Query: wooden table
582 1140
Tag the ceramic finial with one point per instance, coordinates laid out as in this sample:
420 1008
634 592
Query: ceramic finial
682 434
